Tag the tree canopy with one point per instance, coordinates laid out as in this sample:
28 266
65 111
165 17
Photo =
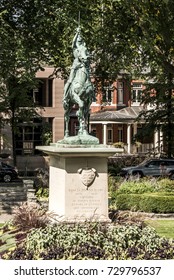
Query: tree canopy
121 34
128 36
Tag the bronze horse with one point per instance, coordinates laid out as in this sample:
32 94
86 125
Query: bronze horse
78 89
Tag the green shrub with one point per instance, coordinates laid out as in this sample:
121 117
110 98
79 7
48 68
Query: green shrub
140 186
93 241
157 203
149 202
113 184
128 202
114 170
42 194
165 185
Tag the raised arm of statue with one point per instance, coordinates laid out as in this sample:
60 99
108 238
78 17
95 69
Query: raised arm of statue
76 63
76 38
77 43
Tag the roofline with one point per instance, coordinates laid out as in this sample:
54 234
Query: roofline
113 122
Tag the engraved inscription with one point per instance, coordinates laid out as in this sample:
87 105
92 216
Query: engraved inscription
87 203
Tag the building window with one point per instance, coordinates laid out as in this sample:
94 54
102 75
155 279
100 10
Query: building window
28 137
42 94
120 133
107 95
109 135
137 92
120 92
50 92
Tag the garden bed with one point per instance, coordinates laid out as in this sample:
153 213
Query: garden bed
32 235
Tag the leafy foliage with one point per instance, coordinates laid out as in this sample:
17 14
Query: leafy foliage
165 185
146 195
134 186
93 241
144 185
41 183
147 202
131 37
46 134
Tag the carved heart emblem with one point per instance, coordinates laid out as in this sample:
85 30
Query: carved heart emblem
87 176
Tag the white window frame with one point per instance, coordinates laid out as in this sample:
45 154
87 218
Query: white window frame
108 90
109 131
120 133
120 91
137 87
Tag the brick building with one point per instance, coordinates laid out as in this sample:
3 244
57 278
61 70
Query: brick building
113 115
112 119
48 97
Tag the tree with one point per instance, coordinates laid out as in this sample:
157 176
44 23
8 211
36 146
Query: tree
157 53
16 78
33 33
140 37
18 106
126 36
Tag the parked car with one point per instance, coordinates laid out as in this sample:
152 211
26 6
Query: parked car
151 167
7 172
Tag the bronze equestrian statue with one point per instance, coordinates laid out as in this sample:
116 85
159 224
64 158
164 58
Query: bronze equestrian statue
79 89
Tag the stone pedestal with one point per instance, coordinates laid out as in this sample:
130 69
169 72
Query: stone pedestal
78 187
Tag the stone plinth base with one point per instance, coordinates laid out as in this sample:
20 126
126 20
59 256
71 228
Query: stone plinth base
78 187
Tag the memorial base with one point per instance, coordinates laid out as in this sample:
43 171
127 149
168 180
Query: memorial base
78 186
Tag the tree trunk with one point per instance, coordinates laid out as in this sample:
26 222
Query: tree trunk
13 138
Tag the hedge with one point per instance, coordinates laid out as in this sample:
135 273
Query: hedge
147 202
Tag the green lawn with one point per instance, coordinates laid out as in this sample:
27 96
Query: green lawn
164 228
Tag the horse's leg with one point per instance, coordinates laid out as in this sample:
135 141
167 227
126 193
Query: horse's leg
80 113
66 117
87 103
86 114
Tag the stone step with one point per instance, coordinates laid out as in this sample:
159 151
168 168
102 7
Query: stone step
9 189
14 194
11 185
13 200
